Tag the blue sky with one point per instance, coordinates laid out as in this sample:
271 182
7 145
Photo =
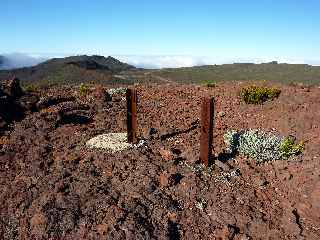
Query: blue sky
199 31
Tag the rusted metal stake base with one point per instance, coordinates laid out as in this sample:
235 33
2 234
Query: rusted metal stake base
132 98
207 110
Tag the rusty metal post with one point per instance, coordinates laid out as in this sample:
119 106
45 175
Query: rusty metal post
207 110
132 99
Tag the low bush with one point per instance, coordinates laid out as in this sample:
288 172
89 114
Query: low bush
289 147
208 83
30 88
84 89
261 146
258 95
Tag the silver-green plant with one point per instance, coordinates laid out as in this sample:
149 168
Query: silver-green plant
119 90
231 138
260 145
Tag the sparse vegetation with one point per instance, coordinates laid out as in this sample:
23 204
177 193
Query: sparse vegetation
201 204
261 146
30 88
231 138
283 73
289 147
119 90
258 95
208 83
84 89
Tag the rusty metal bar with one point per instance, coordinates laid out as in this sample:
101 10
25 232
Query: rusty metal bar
132 98
207 114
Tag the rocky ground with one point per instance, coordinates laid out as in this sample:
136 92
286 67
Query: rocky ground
53 187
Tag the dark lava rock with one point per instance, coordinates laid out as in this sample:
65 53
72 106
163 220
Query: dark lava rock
89 65
29 102
11 88
2 122
10 109
73 117
70 106
14 103
67 113
53 100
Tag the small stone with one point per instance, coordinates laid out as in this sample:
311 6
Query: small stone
223 166
163 180
222 234
102 229
153 131
172 216
166 154
101 95
221 114
150 133
38 224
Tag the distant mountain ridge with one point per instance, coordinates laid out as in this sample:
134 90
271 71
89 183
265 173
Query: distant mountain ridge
92 62
73 69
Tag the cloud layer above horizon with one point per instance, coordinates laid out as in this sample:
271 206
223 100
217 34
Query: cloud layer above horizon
17 60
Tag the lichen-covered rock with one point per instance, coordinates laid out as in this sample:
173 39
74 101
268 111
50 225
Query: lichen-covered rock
49 101
113 142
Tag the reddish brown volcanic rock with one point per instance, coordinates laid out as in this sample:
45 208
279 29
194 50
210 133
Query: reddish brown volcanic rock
53 187
14 103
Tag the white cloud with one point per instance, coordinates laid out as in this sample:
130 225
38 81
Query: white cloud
189 61
166 61
16 60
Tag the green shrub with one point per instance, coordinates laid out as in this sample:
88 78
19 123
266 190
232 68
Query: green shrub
30 88
261 146
258 95
289 148
208 83
84 89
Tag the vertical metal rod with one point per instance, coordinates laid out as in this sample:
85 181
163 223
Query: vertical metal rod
207 114
131 96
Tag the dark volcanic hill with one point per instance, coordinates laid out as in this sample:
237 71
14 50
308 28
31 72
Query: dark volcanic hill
94 62
69 70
